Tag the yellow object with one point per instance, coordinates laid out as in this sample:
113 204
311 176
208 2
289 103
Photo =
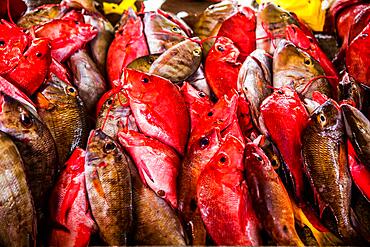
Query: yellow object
113 8
309 11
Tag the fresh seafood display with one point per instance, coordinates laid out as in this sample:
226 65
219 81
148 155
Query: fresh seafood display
230 123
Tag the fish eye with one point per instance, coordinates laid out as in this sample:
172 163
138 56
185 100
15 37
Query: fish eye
77 22
109 102
145 80
210 114
202 94
109 147
38 54
26 120
204 142
258 157
274 162
321 119
307 61
175 29
151 60
220 48
196 52
161 193
284 15
223 159
2 43
71 91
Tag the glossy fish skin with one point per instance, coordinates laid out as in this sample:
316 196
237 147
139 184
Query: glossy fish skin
198 156
36 146
157 163
270 199
325 162
178 62
17 212
254 79
161 33
114 113
224 200
294 67
41 15
72 223
108 184
87 78
62 110
155 221
143 63
357 128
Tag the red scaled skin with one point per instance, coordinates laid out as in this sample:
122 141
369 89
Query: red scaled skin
244 117
66 37
32 69
309 44
358 57
158 107
60 71
69 209
13 42
285 117
222 67
157 163
359 172
245 38
128 44
14 92
197 102
224 200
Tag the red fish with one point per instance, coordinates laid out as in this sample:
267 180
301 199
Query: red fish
244 117
69 209
285 117
13 42
224 200
158 108
32 69
245 38
222 67
157 163
66 37
128 44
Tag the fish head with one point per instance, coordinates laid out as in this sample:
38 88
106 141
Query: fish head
224 50
295 35
221 10
111 101
143 63
271 13
39 51
327 116
255 157
158 23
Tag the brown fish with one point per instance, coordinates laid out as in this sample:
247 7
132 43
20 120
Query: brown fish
143 63
41 15
178 62
63 112
108 184
325 162
155 221
87 78
292 66
35 144
17 212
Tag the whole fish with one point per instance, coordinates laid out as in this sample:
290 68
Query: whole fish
17 212
178 62
114 113
325 161
36 146
108 184
285 118
223 198
255 80
294 67
270 199
198 81
357 128
72 222
100 44
161 33
88 79
155 221
41 15
62 110
152 101
143 63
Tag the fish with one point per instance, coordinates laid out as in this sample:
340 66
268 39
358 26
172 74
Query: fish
36 146
114 113
223 198
177 20
270 198
157 163
357 128
87 78
143 63
71 219
156 223
351 92
255 80
109 188
41 15
198 81
294 67
153 100
17 211
325 163
285 117
178 62
63 111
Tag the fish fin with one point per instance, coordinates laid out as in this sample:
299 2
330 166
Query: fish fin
144 173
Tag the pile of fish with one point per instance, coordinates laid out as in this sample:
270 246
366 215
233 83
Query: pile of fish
238 130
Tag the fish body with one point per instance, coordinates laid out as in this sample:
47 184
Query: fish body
198 81
143 63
